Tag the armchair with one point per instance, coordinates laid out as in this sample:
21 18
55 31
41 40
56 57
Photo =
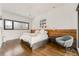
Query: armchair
65 41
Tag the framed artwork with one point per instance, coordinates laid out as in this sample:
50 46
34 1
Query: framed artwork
43 23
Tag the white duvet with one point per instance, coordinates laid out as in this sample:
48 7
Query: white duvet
32 38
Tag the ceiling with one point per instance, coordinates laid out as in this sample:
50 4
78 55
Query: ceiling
33 9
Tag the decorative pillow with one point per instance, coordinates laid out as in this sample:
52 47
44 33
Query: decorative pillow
37 31
46 32
33 34
42 31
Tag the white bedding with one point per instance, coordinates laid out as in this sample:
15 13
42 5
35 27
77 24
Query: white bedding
34 37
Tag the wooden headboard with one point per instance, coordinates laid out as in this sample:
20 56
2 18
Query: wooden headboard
60 32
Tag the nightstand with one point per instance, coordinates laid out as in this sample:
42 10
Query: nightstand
52 39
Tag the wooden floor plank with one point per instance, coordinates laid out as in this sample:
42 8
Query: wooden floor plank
16 48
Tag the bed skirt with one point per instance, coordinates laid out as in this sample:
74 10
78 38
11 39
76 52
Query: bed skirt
36 45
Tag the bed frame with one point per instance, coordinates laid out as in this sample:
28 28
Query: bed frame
36 45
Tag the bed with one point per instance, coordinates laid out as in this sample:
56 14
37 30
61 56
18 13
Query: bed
35 40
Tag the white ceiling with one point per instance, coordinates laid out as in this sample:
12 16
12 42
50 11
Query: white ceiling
33 9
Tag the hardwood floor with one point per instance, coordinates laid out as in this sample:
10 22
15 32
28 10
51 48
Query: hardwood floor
16 48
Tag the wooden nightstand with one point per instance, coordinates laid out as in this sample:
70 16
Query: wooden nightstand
52 39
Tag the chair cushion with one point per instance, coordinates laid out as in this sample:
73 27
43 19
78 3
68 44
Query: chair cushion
66 38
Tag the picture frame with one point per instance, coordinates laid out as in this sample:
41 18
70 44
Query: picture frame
43 23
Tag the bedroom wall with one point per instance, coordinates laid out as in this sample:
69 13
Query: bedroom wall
64 17
0 29
0 10
0 17
13 34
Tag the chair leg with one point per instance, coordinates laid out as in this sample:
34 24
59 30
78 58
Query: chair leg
65 49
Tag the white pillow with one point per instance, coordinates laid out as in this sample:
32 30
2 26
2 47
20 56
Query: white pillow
37 31
46 32
42 31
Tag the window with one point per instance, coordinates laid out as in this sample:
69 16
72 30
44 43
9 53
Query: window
15 25
21 25
8 24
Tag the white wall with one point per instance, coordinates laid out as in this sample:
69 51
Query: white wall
58 18
0 37
12 34
13 16
0 29
64 17
0 10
